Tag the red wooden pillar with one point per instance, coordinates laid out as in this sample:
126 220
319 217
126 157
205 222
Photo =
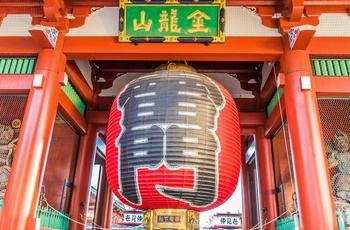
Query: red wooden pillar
266 176
245 188
108 208
26 175
81 187
314 193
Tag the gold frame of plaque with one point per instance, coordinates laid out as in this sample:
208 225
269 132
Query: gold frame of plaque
171 219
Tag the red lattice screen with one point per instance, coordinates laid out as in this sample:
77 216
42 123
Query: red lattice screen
335 120
12 110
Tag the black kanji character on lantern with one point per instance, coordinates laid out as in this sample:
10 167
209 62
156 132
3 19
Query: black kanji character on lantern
170 120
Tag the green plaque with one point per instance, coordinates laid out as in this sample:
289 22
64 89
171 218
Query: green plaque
172 21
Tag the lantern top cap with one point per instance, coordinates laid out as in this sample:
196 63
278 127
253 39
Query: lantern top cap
175 66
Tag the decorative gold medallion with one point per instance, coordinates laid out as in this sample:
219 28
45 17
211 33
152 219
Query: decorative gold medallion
16 124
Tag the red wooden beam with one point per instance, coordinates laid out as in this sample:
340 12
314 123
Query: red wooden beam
97 118
270 85
329 46
72 114
108 48
15 83
103 103
23 3
111 3
312 7
247 131
78 80
332 86
25 46
234 49
251 119
278 4
274 121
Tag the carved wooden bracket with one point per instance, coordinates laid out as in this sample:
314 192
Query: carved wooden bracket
78 16
46 37
3 14
267 16
297 35
293 10
72 17
285 25
53 13
62 25
53 10
102 79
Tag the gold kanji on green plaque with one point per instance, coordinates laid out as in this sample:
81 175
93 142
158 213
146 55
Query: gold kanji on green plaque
171 22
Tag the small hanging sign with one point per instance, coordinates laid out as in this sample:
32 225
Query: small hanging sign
172 21
229 220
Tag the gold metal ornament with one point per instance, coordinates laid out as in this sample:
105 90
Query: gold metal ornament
174 219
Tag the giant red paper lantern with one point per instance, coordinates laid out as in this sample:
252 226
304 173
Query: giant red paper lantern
173 141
